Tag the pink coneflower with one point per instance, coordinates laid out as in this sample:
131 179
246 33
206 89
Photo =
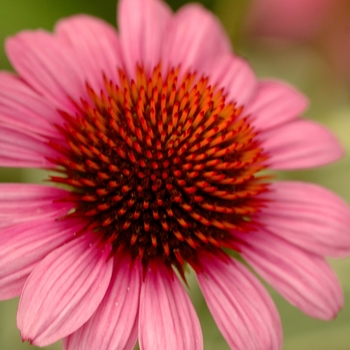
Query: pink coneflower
288 20
160 140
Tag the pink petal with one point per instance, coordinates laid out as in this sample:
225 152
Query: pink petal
300 144
275 103
303 278
114 324
142 26
22 108
241 307
49 66
192 45
24 202
234 75
167 320
63 291
95 44
308 216
23 246
22 148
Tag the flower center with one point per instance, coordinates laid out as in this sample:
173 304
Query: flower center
162 166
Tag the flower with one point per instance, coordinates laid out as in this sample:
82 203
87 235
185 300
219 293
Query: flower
160 140
291 20
323 24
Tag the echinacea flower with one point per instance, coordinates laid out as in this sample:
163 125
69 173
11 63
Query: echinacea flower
160 140
289 20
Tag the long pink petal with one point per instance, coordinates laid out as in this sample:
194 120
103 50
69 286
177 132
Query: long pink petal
142 26
300 144
191 45
167 320
234 75
308 216
49 66
114 324
240 305
22 108
63 291
23 246
95 44
22 148
275 103
26 202
303 278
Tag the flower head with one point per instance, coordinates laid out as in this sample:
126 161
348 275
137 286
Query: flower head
159 141
289 20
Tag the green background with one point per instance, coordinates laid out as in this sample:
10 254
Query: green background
302 65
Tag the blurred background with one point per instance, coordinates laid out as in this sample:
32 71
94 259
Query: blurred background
306 43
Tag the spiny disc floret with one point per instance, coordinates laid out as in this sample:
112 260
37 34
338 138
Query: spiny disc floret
161 166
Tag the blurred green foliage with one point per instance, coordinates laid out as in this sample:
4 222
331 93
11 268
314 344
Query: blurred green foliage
302 66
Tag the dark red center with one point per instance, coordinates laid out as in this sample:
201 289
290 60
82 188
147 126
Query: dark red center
162 166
